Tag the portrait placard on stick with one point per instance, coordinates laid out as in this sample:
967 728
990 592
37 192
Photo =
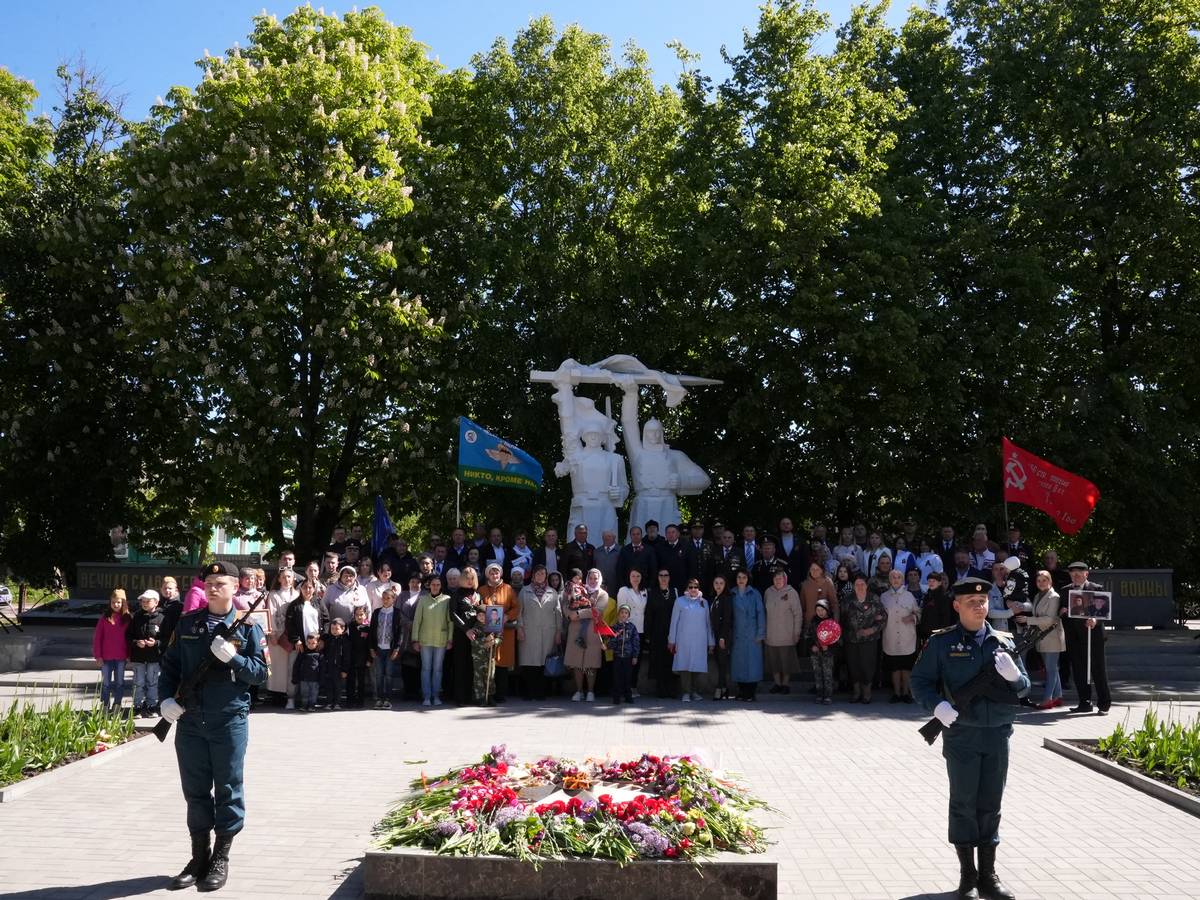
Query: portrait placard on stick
1089 605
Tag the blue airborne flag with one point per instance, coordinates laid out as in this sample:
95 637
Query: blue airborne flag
381 528
485 459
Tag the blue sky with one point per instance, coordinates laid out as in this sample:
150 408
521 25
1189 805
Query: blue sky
144 47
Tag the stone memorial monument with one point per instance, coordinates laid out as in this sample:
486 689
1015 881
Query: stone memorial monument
598 479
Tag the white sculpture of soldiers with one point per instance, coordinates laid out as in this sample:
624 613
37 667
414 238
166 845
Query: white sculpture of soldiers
660 473
599 485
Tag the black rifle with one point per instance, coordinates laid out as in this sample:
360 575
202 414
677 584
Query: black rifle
200 674
987 683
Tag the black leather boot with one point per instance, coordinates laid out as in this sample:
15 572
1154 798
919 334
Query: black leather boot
989 884
218 868
197 866
967 876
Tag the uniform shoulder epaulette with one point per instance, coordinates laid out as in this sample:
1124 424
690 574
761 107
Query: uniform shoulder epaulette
1003 634
945 630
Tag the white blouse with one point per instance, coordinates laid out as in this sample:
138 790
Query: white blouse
636 601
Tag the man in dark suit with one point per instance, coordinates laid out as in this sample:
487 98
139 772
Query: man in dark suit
637 554
1018 548
495 551
794 551
652 537
672 555
402 562
578 554
549 554
749 545
767 564
961 567
728 559
945 548
701 558
456 552
607 555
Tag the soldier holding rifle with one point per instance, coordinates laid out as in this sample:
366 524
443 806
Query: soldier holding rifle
975 740
206 676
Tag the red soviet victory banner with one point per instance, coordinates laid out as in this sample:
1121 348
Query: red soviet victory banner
1064 496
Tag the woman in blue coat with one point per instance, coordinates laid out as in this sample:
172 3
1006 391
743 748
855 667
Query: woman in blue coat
749 631
690 640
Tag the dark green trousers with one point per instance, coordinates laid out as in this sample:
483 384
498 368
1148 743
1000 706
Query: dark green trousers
977 763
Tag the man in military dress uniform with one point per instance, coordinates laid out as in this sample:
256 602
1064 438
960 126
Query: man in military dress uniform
975 741
211 732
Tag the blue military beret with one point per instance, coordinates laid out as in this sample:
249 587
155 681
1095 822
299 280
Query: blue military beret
971 586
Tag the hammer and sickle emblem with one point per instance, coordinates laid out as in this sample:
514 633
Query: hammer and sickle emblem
1014 475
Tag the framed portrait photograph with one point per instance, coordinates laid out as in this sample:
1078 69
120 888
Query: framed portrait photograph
493 619
1089 605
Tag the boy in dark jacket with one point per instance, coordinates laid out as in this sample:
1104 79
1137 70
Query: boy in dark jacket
360 658
337 661
308 672
625 645
145 639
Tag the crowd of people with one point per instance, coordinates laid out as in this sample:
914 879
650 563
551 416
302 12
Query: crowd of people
687 613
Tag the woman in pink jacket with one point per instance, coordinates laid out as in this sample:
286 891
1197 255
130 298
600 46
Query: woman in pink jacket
110 650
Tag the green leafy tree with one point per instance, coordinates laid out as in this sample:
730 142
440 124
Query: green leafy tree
779 160
266 273
542 211
1099 105
74 413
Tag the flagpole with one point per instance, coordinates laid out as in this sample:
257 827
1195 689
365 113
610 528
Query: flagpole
1004 489
457 503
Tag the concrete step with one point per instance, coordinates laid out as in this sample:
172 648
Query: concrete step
45 662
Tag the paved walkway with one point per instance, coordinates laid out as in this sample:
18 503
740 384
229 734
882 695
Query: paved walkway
861 801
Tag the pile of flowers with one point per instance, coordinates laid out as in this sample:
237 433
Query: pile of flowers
668 807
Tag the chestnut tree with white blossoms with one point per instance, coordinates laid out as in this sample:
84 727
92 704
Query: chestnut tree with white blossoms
264 280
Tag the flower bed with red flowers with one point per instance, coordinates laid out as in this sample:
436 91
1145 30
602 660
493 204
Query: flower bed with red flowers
654 807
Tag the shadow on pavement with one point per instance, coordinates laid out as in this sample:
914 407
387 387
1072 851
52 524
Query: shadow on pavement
107 890
351 887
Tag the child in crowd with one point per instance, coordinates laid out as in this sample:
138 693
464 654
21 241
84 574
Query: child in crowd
624 644
360 657
822 654
110 650
483 660
577 599
171 604
337 661
308 672
144 638
384 644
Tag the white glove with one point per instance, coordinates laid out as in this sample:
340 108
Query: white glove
170 710
222 649
1007 667
945 713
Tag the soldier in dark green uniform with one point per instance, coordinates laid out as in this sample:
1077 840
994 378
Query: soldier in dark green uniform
211 733
975 741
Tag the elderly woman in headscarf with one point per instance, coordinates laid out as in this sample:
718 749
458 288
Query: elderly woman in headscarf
498 593
584 606
539 632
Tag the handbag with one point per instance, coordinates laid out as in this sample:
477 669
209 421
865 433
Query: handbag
554 667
